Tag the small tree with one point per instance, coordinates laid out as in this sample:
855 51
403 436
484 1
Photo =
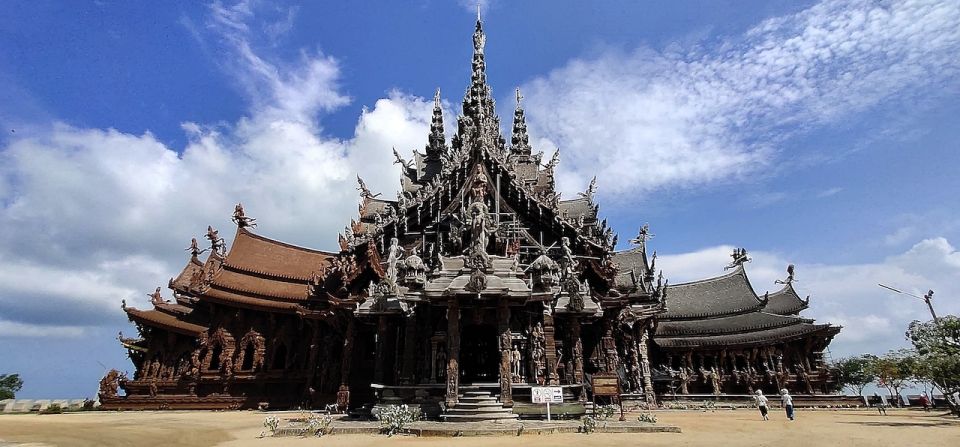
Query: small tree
938 355
893 371
855 372
9 385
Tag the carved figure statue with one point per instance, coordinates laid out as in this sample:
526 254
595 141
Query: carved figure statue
684 375
110 384
643 236
194 249
567 262
364 191
155 297
241 219
393 259
790 279
217 244
480 226
739 256
515 360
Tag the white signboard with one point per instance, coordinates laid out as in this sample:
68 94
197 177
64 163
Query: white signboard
546 395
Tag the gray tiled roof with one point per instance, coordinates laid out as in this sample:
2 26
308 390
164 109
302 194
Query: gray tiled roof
727 325
723 295
762 337
785 302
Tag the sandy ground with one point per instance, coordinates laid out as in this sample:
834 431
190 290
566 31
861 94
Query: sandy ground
742 428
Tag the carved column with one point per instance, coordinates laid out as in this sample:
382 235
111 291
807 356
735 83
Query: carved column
453 352
550 346
503 326
577 344
312 359
381 353
346 358
644 351
409 350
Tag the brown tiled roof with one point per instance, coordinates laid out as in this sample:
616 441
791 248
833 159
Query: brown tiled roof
729 294
164 320
241 300
785 302
182 281
256 254
266 287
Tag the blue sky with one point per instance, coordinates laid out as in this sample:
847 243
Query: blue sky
822 134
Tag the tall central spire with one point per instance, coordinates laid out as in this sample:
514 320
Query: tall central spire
479 125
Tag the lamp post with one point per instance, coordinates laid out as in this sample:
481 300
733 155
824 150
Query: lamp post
926 298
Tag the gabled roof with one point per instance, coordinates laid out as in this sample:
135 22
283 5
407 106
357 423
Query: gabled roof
252 253
786 302
182 281
761 337
156 318
237 281
729 294
727 325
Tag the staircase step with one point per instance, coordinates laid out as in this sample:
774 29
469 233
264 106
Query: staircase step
479 417
476 393
462 404
478 400
457 410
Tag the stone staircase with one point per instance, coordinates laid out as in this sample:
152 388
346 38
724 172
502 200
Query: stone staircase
475 406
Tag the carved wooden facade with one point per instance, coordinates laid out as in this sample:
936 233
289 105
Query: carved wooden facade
476 275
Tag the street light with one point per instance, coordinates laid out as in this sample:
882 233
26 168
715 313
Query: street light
926 298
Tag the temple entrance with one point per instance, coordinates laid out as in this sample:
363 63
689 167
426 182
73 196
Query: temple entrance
479 354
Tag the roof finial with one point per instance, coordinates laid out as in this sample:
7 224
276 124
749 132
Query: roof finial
478 11
436 98
519 97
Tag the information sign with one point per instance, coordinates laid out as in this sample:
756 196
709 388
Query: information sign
546 395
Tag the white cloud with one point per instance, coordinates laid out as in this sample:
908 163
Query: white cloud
93 216
647 119
874 319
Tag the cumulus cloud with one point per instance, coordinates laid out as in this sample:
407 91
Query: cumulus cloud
681 117
873 318
93 216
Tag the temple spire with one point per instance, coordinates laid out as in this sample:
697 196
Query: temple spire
436 144
479 126
519 141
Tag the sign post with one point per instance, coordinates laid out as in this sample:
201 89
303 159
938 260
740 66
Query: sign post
607 385
546 395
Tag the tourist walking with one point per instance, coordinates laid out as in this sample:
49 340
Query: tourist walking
762 404
881 404
787 402
925 401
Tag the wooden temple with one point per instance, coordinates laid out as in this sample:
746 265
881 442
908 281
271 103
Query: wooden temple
476 277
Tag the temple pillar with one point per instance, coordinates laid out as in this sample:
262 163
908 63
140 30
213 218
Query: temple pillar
409 350
644 352
453 352
577 344
503 328
381 353
312 359
346 359
550 346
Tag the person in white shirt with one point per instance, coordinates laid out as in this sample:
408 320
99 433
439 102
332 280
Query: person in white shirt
762 404
787 402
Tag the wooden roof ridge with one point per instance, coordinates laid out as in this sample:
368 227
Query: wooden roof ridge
163 320
232 298
255 293
251 234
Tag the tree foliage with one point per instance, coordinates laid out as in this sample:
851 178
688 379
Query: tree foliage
855 372
938 355
9 385
893 370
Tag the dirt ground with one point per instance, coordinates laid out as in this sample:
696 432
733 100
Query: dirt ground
743 428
